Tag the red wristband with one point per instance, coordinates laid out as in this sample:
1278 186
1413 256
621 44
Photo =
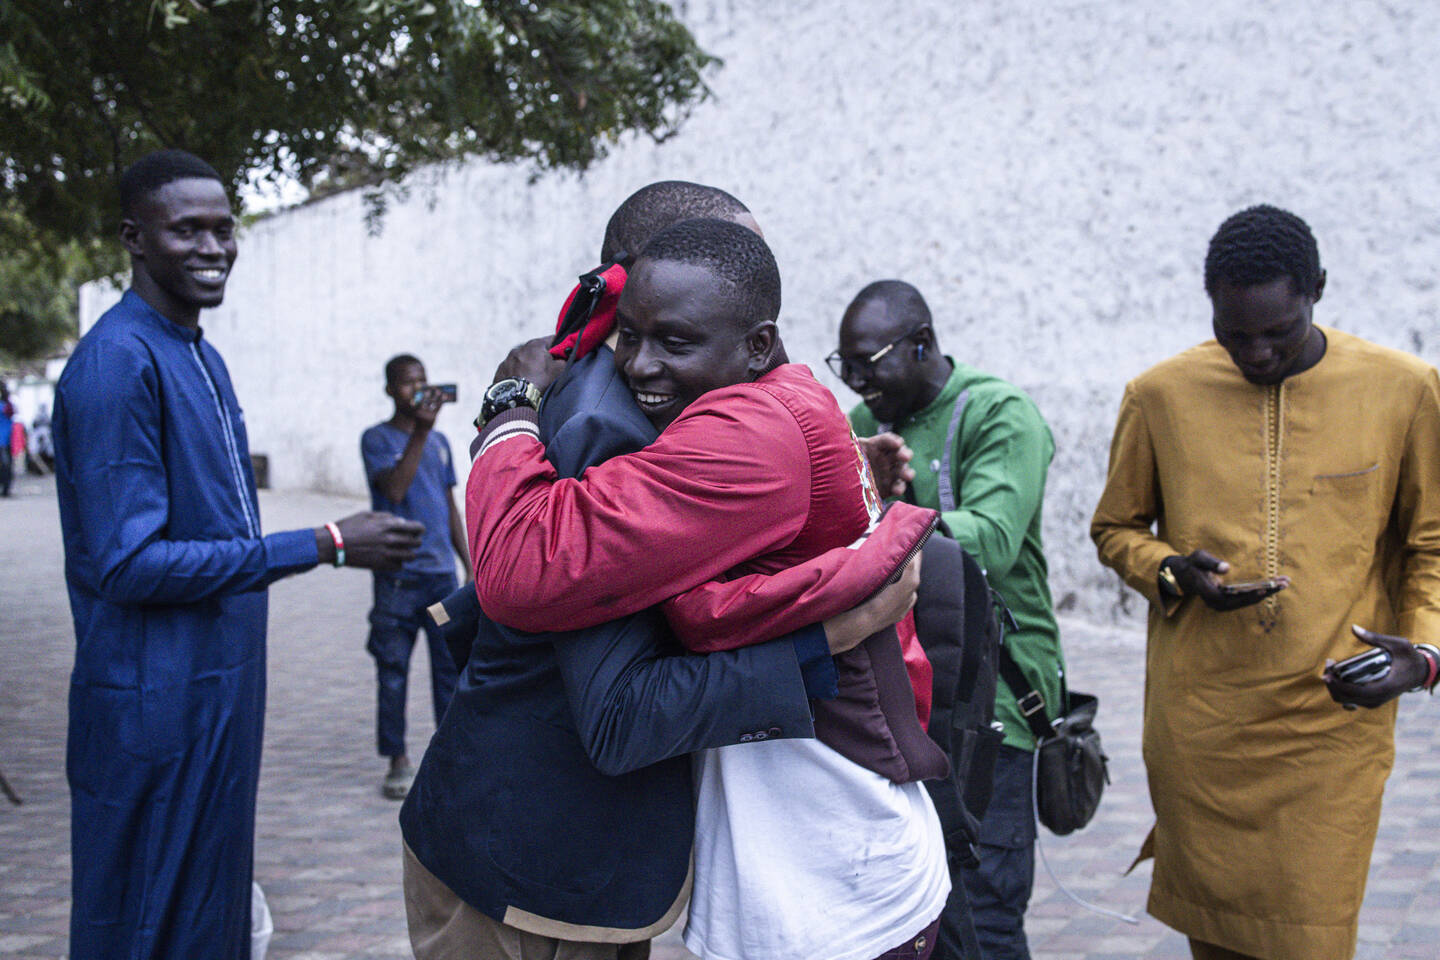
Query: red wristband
340 548
1434 662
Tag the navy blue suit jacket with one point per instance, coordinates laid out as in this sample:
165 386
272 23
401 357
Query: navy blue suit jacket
557 791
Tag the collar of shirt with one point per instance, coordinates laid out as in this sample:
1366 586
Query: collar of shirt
138 307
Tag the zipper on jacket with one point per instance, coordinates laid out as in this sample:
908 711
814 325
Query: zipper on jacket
920 542
1274 472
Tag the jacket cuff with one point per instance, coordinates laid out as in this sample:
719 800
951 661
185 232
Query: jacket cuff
515 422
817 667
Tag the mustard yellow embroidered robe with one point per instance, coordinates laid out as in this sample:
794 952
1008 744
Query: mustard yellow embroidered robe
1267 793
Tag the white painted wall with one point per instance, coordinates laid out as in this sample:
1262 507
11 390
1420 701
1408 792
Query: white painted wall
1047 173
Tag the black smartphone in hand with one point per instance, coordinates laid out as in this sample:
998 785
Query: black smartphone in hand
1364 667
1253 586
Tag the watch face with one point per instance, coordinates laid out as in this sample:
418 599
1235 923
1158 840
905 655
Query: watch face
506 395
503 393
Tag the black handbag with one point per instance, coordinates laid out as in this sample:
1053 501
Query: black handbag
1071 769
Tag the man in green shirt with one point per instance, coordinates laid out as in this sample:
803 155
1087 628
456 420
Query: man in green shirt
981 450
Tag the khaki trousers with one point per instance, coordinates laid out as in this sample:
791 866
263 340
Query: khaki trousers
444 927
1200 950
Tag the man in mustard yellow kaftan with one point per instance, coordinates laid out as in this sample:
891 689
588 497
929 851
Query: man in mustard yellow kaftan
1279 450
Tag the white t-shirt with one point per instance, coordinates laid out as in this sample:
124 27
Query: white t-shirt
801 854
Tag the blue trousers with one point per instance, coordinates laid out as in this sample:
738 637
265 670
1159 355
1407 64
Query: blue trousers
395 620
999 889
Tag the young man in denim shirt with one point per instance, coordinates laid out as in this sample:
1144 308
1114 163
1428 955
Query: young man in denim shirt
411 474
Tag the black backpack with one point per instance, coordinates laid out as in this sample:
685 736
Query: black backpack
958 620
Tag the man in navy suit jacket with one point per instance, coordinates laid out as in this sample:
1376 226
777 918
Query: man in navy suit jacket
555 799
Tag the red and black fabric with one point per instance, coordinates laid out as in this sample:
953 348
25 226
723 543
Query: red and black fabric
589 312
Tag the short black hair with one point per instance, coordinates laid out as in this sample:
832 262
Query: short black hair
1261 244
731 252
901 300
396 364
652 208
154 170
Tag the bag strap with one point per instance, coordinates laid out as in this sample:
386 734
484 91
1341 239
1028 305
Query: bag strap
947 485
1031 703
1039 846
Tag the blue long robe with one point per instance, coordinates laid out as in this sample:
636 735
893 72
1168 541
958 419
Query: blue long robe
166 569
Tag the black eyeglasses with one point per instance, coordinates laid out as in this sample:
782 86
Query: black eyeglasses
861 368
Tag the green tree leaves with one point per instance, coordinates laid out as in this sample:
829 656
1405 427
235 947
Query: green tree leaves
332 93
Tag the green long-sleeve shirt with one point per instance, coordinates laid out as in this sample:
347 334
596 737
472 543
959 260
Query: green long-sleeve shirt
1003 449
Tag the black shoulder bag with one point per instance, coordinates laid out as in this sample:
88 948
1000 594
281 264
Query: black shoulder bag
1070 764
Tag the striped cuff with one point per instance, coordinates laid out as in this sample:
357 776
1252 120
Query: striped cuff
515 422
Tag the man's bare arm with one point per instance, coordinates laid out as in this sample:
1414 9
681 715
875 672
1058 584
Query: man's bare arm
457 535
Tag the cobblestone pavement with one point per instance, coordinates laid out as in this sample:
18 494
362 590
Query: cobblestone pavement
327 851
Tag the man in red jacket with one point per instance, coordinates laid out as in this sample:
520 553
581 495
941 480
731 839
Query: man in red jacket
755 470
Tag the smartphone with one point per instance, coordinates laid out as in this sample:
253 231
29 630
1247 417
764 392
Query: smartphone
1364 667
1251 586
447 392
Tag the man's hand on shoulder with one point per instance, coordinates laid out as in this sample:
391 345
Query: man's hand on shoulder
889 462
846 630
531 361
1198 574
1410 669
373 541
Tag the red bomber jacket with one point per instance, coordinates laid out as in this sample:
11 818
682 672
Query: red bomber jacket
753 478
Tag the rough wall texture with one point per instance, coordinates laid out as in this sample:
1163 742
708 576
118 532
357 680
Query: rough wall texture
1048 174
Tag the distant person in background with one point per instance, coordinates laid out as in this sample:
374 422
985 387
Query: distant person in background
42 445
7 462
19 445
167 569
981 454
411 474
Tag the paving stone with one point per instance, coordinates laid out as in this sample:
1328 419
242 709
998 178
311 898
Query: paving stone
328 844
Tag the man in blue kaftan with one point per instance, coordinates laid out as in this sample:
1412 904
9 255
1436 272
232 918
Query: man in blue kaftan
166 569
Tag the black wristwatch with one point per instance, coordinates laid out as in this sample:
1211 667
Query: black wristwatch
505 395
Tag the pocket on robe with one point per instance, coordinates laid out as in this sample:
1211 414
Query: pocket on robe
1346 510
